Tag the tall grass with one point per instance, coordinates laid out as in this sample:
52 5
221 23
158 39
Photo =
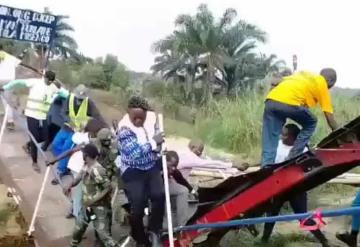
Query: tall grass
230 124
235 125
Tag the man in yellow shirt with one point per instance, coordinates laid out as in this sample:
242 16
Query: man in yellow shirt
291 99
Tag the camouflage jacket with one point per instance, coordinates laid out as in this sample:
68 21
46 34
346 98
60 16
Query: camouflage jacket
107 159
95 182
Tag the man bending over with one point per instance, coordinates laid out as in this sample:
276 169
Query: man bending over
291 99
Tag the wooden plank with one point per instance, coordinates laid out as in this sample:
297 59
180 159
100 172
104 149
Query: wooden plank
346 178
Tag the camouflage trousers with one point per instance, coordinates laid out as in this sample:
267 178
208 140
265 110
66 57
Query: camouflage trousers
102 226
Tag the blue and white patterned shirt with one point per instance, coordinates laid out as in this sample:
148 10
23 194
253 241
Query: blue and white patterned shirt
132 153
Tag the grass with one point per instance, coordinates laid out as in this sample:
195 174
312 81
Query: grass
231 125
235 125
243 238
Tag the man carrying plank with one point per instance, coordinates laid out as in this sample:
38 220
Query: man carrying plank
291 99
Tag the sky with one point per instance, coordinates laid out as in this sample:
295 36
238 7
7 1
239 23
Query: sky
322 33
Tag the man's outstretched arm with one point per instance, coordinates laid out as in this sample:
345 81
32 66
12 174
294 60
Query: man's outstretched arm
330 119
64 155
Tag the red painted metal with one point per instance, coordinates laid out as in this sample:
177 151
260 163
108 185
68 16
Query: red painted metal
282 180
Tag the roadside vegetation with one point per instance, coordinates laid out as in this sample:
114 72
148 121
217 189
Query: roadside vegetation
209 78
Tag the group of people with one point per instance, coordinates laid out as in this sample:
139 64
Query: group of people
127 156
101 158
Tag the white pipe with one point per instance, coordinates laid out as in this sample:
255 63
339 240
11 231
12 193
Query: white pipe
166 184
114 196
37 205
6 106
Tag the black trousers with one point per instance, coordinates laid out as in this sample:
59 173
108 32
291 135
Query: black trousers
52 130
38 129
142 186
299 205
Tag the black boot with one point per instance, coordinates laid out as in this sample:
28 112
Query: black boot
321 237
347 238
155 239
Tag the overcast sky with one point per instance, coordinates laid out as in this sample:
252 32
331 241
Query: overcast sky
323 33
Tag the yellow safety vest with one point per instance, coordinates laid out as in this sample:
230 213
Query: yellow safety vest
80 119
39 100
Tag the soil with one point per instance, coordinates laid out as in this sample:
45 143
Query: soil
12 224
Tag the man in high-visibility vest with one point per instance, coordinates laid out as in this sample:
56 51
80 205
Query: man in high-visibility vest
77 110
42 92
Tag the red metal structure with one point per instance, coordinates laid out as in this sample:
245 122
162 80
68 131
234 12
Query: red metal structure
249 195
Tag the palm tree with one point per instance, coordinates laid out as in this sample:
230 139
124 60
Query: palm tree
177 64
202 36
63 45
239 42
213 51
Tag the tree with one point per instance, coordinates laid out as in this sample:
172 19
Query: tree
109 65
64 71
201 35
120 77
254 67
213 51
182 68
14 47
63 45
93 75
239 42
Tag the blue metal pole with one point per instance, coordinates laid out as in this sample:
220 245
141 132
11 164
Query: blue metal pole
279 218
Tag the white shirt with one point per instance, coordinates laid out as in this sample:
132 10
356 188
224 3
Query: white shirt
76 161
144 134
8 67
283 151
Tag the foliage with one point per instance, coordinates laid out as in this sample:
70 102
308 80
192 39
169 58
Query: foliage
63 45
101 74
12 47
64 71
120 77
235 125
115 72
212 51
93 75
109 65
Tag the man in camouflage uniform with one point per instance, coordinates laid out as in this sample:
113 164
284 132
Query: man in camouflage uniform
108 151
96 190
107 146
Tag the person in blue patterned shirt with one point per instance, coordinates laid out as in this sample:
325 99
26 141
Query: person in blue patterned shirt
141 173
